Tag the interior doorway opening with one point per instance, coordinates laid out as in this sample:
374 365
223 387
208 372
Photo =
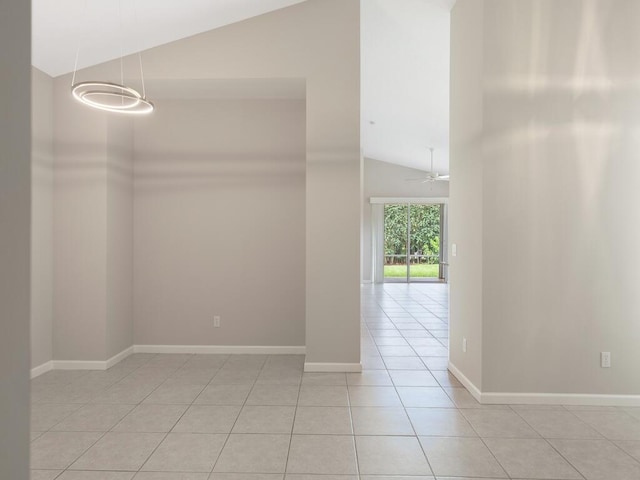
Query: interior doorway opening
414 243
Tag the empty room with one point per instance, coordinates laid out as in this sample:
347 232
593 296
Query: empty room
319 240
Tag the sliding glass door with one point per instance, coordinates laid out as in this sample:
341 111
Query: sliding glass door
412 239
396 224
424 242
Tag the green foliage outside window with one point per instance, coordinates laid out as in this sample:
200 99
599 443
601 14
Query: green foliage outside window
424 236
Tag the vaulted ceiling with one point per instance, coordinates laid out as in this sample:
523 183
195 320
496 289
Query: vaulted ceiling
112 27
405 57
405 81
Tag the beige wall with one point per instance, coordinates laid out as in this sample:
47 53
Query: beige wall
15 221
560 176
466 193
220 223
561 182
92 231
79 228
382 179
41 218
119 255
317 41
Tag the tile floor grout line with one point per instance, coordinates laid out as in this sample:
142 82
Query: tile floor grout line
226 440
371 345
455 407
485 445
61 420
404 409
550 444
295 412
94 443
166 434
353 432
140 403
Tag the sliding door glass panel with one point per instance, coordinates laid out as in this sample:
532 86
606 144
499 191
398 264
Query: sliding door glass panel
424 242
395 243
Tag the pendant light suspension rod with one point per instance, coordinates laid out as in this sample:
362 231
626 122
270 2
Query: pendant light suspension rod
75 64
144 93
135 19
110 96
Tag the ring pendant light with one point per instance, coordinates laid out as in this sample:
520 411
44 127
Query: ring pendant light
111 96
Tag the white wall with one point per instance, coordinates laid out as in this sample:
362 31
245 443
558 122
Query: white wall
220 223
382 179
41 218
15 238
560 176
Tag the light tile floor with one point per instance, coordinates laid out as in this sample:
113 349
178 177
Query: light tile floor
221 417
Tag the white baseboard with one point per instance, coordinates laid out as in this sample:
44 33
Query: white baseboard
40 369
92 364
223 349
195 349
468 384
79 365
332 367
588 399
118 357
513 398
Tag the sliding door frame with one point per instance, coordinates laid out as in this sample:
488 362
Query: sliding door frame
378 256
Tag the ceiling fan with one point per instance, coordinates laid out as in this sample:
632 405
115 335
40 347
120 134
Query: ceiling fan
430 176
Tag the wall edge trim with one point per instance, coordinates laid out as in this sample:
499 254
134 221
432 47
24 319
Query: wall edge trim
536 398
79 364
468 384
318 367
92 364
42 368
224 349
118 357
583 399
412 200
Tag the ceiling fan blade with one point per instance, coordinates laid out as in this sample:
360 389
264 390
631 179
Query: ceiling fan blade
444 178
414 179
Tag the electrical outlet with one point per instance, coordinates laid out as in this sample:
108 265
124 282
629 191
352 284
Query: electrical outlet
605 359
454 250
216 321
464 345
